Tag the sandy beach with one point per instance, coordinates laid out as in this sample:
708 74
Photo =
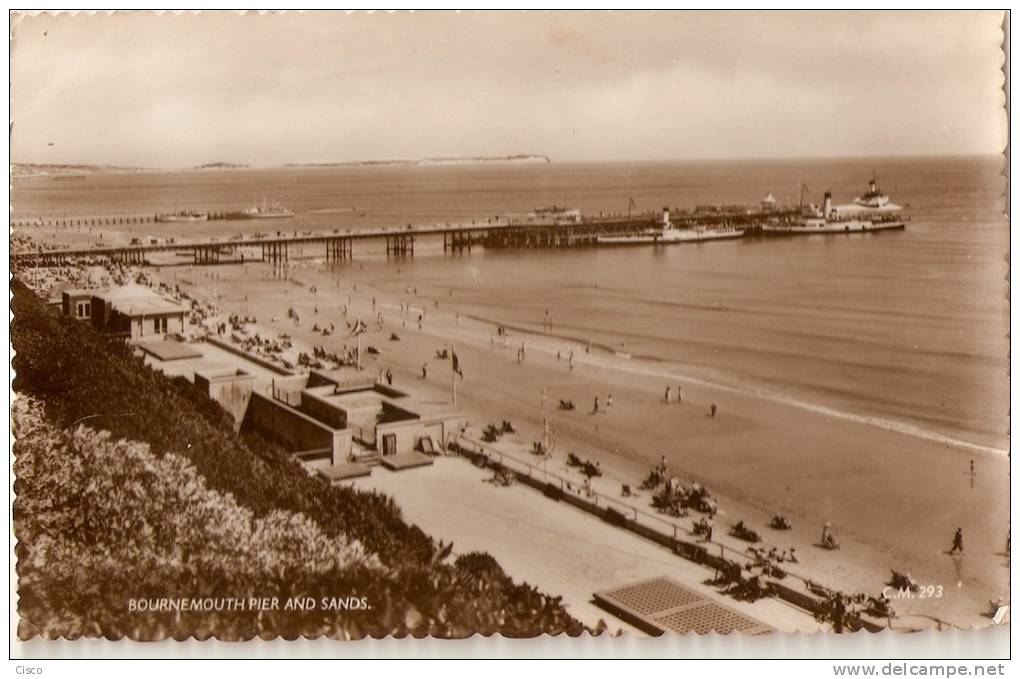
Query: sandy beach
894 498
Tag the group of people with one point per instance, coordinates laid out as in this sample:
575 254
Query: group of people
598 408
679 393
712 409
570 358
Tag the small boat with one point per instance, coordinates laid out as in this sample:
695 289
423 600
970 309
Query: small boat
669 235
182 216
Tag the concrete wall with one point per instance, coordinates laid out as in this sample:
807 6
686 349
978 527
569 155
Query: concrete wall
294 430
268 365
232 392
323 410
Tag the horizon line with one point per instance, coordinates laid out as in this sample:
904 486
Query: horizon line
509 159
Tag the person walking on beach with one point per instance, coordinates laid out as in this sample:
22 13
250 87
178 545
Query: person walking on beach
679 394
957 543
570 361
425 371
712 410
595 410
609 402
669 393
389 377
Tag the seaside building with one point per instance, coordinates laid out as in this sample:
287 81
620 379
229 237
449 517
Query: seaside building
133 312
331 418
77 303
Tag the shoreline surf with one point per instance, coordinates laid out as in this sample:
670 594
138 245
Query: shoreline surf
616 362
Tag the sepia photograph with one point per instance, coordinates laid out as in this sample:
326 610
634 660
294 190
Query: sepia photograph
618 326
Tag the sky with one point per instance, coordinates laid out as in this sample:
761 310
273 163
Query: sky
176 90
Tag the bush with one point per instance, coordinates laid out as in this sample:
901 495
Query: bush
169 502
81 376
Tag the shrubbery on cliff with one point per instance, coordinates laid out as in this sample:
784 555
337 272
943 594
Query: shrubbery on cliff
169 502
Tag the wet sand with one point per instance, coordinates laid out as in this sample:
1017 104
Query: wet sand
894 499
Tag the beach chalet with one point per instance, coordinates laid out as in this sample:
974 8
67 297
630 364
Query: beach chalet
77 304
333 417
136 313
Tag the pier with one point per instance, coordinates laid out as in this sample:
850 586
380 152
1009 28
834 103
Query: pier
339 247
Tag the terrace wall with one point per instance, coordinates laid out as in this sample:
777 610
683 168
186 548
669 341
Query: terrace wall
294 430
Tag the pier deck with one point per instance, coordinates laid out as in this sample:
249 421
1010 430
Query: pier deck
339 245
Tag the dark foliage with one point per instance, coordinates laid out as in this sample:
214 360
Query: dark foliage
82 377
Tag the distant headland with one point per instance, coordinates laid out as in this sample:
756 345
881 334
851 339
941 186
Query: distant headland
451 160
46 169
42 169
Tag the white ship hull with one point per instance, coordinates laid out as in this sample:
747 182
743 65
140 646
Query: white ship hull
820 226
182 218
267 215
669 236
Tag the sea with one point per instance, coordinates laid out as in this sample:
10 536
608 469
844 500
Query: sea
907 327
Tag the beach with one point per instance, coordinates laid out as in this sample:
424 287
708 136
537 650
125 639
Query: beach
893 498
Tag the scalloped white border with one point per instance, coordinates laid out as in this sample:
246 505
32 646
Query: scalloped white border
723 650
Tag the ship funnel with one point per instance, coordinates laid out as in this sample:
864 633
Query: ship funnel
828 204
665 217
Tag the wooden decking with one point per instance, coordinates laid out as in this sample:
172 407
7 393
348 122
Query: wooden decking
403 461
660 605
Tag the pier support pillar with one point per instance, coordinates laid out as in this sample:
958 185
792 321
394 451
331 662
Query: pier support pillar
338 249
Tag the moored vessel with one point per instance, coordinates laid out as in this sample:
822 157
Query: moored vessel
273 211
669 234
871 211
183 216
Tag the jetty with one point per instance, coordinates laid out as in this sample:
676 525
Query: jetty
339 245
